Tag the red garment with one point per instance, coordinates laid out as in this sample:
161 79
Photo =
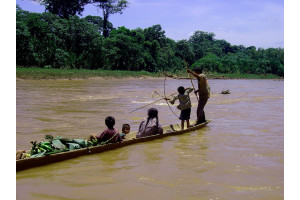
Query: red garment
109 134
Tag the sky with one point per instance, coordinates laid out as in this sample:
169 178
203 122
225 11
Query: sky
258 23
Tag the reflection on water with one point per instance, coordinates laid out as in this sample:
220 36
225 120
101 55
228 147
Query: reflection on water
239 155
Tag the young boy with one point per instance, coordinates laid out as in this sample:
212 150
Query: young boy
109 135
184 105
125 130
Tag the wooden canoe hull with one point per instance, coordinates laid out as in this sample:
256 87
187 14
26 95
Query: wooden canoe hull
53 158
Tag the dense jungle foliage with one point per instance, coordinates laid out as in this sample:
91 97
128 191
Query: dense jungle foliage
46 40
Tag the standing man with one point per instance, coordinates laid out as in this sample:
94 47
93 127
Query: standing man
203 93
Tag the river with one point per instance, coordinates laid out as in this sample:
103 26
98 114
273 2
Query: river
239 155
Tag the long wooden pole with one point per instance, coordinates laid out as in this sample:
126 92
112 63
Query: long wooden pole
150 104
190 78
146 105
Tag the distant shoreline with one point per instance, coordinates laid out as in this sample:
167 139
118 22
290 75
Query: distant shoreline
79 74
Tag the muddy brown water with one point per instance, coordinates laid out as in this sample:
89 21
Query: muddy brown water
239 155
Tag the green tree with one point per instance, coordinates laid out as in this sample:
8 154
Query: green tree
158 48
23 51
124 49
47 39
184 51
221 48
98 22
64 8
110 7
210 62
155 32
200 42
42 40
80 36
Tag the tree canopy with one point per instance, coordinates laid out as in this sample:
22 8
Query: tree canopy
64 8
68 8
110 7
48 40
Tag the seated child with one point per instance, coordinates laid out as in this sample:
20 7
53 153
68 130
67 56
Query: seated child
109 135
184 105
125 130
150 126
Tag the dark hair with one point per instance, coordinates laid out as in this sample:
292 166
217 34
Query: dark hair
152 113
125 126
198 70
181 90
110 122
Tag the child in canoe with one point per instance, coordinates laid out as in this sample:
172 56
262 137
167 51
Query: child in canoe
150 125
109 135
125 130
184 104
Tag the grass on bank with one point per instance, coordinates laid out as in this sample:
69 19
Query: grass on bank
46 73
242 76
42 73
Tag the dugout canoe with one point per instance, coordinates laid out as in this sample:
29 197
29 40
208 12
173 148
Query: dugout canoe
169 130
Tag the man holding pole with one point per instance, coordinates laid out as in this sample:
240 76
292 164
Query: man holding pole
203 92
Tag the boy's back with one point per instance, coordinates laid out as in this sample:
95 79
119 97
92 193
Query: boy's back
110 134
184 99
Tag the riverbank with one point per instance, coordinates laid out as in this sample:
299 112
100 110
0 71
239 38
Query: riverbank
41 74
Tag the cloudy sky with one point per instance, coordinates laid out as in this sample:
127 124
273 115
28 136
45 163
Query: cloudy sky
241 22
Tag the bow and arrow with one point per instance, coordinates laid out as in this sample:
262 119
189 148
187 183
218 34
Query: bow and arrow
165 96
165 89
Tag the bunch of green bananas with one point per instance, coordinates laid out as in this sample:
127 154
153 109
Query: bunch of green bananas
40 147
93 142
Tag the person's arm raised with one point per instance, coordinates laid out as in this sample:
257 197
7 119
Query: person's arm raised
193 73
